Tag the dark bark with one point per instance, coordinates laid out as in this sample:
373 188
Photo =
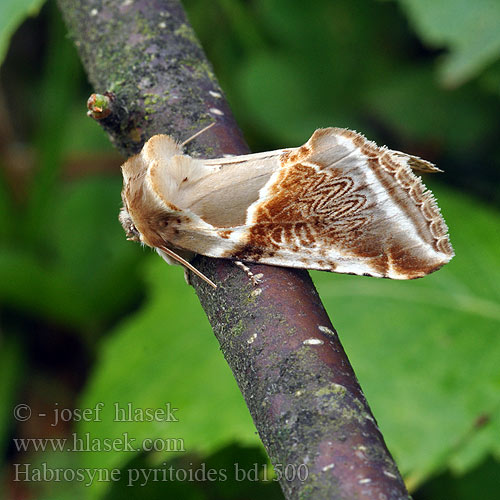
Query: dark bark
276 336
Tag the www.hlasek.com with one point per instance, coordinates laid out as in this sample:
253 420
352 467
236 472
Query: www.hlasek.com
85 443
141 477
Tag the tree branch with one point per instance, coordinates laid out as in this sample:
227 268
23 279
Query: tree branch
276 336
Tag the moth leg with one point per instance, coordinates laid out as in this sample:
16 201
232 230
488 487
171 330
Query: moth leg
254 278
170 256
187 279
197 134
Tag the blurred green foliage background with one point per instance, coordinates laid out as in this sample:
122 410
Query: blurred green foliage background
89 318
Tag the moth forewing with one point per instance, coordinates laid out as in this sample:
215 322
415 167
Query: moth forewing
338 203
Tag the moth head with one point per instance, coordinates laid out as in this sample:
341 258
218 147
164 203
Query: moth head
128 225
149 179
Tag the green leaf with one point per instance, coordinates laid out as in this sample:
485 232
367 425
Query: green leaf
468 29
58 87
273 92
91 250
84 272
11 368
426 352
482 482
165 354
12 14
238 472
84 134
6 209
415 107
315 72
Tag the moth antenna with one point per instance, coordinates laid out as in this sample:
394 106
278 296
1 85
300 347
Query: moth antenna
186 264
197 134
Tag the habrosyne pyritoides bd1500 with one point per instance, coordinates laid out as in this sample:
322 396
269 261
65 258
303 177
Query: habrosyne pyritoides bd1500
338 203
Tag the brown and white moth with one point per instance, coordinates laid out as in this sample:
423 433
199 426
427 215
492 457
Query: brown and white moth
338 203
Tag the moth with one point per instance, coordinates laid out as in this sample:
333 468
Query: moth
338 203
